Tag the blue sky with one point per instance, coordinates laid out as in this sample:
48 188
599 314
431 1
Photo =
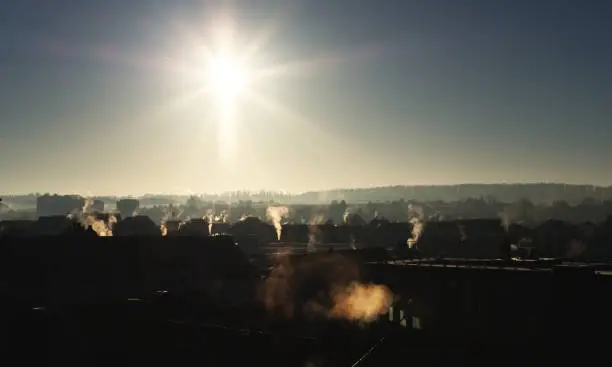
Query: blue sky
371 93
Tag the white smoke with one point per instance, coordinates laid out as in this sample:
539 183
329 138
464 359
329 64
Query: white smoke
170 213
462 233
210 217
276 214
505 218
224 216
87 205
314 233
4 207
417 229
346 216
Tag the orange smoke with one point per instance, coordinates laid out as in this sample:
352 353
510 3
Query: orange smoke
362 302
325 285
277 291
102 228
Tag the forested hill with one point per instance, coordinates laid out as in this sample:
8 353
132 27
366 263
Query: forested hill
503 192
536 193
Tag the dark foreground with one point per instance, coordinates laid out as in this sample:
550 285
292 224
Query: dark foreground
128 332
210 313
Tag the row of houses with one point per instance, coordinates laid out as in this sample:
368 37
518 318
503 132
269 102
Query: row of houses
57 205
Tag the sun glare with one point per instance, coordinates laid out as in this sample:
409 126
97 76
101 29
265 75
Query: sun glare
226 77
232 75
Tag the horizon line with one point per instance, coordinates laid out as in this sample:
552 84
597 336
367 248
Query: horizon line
288 193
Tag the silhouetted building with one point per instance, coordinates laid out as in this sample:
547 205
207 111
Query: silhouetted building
56 225
295 233
51 205
252 226
128 207
97 206
439 239
195 227
473 238
16 227
553 238
173 226
220 228
387 234
139 225
484 239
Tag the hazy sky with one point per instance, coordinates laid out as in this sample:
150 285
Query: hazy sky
94 96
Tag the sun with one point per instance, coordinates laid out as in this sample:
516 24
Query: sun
226 76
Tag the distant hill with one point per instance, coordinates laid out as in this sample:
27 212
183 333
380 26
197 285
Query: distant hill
535 192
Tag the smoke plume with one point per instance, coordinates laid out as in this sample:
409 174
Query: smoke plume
417 229
327 286
276 215
101 227
87 205
345 216
361 302
462 234
210 218
314 233
223 217
170 213
4 207
505 219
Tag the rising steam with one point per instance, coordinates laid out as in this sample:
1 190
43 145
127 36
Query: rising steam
361 302
462 234
4 207
276 215
210 217
101 227
314 233
417 229
87 205
346 216
328 286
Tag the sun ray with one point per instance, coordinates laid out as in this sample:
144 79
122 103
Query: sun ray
263 37
296 120
212 62
319 63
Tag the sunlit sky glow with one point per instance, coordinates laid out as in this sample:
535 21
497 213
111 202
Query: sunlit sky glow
152 96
